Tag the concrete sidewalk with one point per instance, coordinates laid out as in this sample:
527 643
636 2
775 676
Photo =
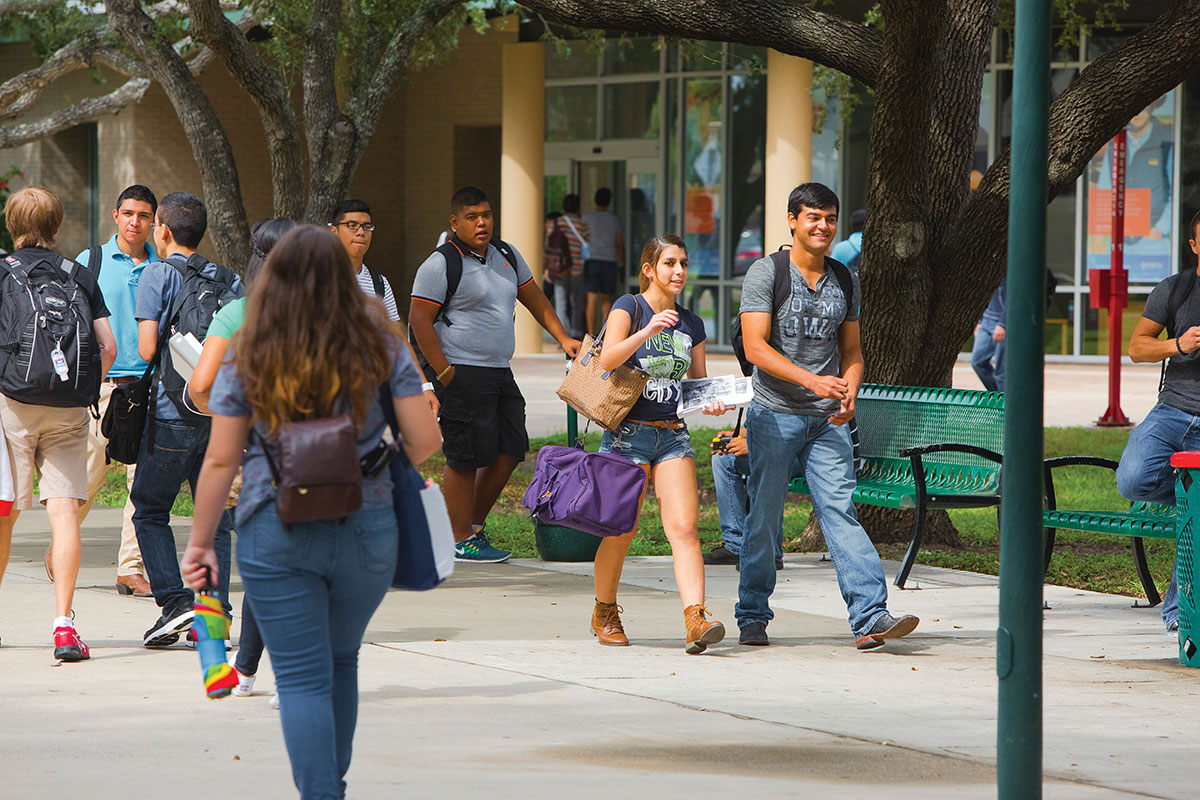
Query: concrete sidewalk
492 686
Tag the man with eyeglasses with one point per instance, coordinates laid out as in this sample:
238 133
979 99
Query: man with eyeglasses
351 221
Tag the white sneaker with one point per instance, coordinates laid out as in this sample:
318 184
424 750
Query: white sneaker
274 702
245 685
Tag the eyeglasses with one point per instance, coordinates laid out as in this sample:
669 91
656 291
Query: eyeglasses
354 227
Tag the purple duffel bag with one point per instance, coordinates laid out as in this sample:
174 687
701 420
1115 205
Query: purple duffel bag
596 493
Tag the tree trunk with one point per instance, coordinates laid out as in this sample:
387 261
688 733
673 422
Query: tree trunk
210 147
888 526
270 96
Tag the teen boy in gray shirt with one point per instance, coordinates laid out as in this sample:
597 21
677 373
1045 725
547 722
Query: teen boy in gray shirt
808 366
468 340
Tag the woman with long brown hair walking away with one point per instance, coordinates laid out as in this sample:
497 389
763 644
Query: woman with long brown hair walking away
312 346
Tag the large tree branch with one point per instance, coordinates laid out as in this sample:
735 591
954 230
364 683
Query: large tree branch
789 26
210 146
130 92
1098 103
269 95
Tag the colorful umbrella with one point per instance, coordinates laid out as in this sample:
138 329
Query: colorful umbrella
211 628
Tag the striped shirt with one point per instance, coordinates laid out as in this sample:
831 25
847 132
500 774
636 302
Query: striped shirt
368 286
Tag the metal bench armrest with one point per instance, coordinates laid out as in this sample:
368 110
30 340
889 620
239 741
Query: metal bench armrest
951 447
1051 464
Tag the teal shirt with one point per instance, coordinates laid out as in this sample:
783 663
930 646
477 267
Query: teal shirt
119 284
226 321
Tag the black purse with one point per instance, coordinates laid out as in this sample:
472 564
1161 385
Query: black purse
129 407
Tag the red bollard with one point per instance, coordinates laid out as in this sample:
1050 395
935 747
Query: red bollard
1115 288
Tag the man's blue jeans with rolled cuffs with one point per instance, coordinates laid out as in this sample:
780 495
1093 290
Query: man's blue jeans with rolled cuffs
827 458
1146 474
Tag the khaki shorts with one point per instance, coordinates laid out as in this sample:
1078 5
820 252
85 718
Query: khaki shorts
51 440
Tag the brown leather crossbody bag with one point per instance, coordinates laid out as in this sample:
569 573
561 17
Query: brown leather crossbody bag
318 475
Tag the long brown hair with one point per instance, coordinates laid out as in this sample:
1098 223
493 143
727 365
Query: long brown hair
653 251
311 340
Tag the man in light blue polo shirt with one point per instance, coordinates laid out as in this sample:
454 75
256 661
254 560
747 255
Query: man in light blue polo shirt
121 261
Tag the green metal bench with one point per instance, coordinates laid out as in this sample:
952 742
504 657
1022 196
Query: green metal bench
924 448
1141 521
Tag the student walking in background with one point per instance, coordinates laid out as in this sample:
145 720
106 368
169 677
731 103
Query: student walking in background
227 321
669 345
312 346
45 390
602 271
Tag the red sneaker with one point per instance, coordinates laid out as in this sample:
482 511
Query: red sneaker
68 646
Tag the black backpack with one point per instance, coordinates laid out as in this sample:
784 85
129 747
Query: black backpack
781 291
47 336
199 298
452 252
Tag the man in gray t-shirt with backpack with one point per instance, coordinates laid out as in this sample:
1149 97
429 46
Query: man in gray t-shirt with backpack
1173 424
808 366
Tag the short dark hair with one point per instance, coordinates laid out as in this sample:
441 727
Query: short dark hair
184 214
350 206
858 220
263 237
1193 226
814 195
465 197
603 196
571 204
139 193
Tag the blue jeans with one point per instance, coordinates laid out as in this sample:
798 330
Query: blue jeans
176 457
730 474
987 357
313 588
250 644
1145 472
826 456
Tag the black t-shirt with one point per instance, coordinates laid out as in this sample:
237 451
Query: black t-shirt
84 277
1181 386
665 357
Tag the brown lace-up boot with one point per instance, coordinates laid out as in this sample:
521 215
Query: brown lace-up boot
606 624
701 632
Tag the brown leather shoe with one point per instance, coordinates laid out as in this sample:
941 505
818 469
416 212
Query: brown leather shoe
49 569
701 632
135 585
606 624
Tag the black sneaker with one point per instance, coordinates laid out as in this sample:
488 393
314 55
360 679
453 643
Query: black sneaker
886 627
754 634
720 556
165 631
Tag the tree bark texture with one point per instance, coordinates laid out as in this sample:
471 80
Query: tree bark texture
270 97
210 147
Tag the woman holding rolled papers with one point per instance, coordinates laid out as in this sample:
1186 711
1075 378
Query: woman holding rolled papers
669 347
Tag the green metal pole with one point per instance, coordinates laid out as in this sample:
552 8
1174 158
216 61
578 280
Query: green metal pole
572 419
1019 637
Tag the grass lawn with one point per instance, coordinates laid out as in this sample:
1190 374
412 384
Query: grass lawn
1081 560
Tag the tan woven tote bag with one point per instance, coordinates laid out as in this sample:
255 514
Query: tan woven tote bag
604 397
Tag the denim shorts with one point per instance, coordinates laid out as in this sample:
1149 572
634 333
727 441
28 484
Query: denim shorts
646 444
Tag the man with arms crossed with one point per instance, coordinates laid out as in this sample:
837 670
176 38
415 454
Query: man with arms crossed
808 366
469 341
